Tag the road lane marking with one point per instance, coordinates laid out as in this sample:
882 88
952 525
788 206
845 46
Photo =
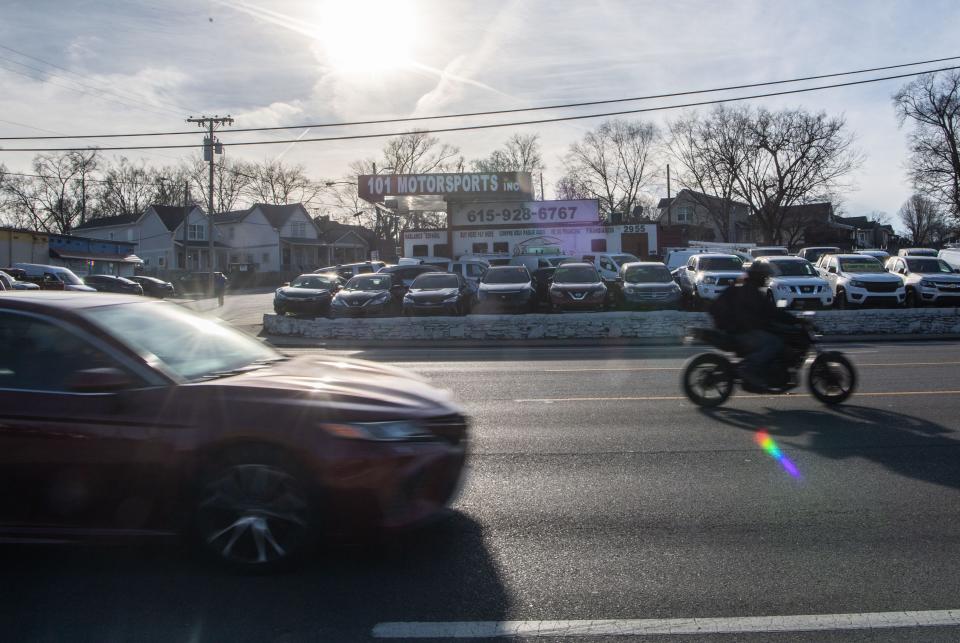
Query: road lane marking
680 368
648 398
667 626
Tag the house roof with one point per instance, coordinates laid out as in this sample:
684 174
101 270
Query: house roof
696 197
331 231
172 215
233 216
103 222
821 211
277 215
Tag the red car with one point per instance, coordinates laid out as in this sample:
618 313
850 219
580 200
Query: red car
121 416
577 286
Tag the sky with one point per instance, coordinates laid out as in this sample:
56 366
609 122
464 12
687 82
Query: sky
93 67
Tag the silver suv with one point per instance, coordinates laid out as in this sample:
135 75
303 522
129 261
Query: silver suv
707 275
928 280
860 280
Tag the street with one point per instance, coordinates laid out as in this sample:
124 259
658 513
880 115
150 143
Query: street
594 491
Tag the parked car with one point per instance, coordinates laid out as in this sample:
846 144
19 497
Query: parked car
153 287
12 281
577 286
813 253
348 270
608 265
647 284
951 256
52 277
470 269
367 296
928 280
506 288
917 252
491 258
128 416
308 294
111 283
859 280
768 251
405 274
797 282
882 255
438 293
707 275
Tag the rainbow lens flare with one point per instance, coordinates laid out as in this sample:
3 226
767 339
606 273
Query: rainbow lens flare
770 447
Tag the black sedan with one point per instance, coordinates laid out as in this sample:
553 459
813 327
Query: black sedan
366 296
507 288
153 287
308 294
440 293
110 283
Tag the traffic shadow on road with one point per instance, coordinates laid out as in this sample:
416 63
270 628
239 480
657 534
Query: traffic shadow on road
910 446
155 592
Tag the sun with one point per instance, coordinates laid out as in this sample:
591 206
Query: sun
366 36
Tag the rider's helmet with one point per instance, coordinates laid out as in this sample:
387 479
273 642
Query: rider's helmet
758 274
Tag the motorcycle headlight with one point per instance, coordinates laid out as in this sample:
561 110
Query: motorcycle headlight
709 280
401 431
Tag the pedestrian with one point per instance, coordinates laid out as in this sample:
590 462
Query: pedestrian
219 287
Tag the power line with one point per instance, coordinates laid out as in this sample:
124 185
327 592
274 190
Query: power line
525 109
465 128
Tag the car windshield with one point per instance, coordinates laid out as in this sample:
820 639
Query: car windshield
929 266
720 263
435 282
67 277
921 252
793 269
576 275
314 282
863 265
507 275
769 252
369 282
655 274
190 346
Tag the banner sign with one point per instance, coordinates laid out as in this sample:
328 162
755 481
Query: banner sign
468 186
524 213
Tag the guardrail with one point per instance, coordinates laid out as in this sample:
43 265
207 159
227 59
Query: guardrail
662 326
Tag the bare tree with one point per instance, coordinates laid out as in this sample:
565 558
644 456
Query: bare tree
711 153
54 199
932 103
278 184
613 164
230 180
521 153
923 218
125 188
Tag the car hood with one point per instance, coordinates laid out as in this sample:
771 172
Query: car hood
940 277
343 383
303 293
652 285
79 288
720 274
431 294
505 287
799 281
360 295
873 277
587 286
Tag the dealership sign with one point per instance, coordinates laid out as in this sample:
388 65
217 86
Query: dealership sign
524 213
495 186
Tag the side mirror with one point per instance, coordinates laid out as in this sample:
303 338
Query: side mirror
832 269
286 283
690 268
98 380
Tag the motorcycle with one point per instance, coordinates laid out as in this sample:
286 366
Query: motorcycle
708 379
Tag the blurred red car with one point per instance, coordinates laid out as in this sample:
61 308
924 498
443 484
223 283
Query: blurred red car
121 416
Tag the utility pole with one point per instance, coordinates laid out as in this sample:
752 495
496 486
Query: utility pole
211 147
669 200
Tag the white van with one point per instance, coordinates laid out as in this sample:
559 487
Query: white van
64 275
608 264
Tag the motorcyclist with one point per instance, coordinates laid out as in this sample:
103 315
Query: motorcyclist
746 311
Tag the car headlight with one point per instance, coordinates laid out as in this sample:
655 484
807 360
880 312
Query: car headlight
630 290
337 301
709 280
279 294
783 288
596 294
927 284
381 298
401 431
408 298
857 284
452 299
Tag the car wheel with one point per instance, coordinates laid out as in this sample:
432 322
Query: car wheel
841 299
253 512
911 300
279 310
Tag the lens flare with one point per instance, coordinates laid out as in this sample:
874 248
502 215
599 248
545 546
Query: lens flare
766 443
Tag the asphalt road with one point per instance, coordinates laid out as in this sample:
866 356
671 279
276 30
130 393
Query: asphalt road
593 492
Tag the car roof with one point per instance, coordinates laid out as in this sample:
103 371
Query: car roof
643 263
716 255
582 264
770 258
850 255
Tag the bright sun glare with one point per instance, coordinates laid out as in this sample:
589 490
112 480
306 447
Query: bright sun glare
367 35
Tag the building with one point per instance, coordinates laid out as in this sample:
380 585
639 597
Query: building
93 256
871 234
815 224
695 216
348 243
272 238
23 246
168 238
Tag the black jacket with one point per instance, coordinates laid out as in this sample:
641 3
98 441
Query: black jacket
744 308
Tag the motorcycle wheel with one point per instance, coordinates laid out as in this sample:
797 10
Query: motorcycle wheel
708 379
831 378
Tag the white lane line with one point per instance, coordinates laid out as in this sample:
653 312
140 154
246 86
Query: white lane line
666 626
677 368
647 398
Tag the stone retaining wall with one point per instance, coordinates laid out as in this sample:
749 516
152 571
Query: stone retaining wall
664 326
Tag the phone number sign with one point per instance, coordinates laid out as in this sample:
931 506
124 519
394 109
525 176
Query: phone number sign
524 213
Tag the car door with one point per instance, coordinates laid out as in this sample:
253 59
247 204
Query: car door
83 443
687 276
608 270
830 272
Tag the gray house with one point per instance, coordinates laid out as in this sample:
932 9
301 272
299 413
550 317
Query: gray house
701 217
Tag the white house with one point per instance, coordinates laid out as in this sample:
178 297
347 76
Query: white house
274 237
168 237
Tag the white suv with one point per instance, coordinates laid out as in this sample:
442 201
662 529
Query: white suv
928 280
795 281
707 275
859 280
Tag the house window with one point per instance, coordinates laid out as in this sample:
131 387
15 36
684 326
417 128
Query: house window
298 229
195 232
598 245
421 250
130 234
501 246
161 261
480 247
266 257
685 214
